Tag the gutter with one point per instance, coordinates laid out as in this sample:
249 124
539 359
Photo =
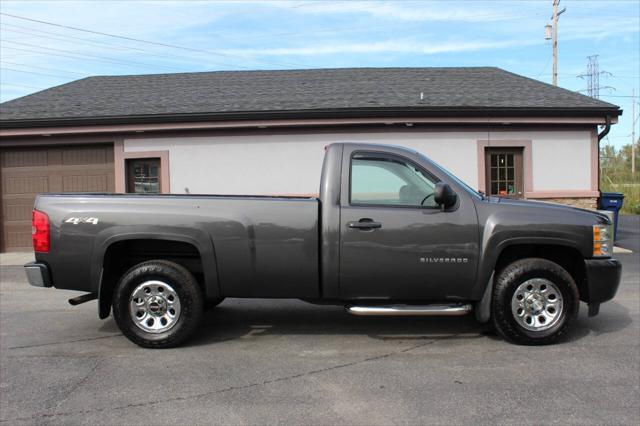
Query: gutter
601 135
310 114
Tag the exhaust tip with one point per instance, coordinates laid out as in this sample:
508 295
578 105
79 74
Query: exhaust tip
83 299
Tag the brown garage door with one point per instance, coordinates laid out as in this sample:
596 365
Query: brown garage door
28 171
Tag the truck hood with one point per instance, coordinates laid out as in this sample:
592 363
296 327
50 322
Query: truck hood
546 207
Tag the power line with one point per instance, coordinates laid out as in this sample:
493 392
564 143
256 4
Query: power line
261 35
617 96
2 61
30 31
612 75
21 85
62 37
94 57
155 43
146 51
36 73
62 55
544 68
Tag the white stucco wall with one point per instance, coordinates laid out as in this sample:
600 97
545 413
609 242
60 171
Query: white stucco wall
291 163
561 162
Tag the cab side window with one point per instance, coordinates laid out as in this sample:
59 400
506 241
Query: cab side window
387 180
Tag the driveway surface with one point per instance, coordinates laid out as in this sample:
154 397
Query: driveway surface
629 232
266 362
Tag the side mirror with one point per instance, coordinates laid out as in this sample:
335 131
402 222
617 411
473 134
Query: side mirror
444 195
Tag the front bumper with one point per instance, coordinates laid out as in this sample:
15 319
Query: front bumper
38 274
602 279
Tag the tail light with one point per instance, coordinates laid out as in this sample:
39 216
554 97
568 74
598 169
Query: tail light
40 231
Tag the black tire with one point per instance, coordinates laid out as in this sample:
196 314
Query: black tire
189 295
510 279
212 303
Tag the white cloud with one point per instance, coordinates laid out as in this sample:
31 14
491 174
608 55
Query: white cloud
416 11
390 46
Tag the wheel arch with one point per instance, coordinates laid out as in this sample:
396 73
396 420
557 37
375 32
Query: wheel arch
565 254
196 254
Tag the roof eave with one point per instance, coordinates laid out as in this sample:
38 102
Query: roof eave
324 113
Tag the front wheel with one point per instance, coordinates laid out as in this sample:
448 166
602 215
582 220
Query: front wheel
534 302
158 304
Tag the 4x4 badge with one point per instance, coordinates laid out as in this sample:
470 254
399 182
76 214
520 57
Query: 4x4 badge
77 220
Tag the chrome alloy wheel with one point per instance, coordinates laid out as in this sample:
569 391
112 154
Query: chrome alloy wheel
537 304
154 306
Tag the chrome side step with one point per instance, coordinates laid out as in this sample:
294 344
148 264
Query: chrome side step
456 309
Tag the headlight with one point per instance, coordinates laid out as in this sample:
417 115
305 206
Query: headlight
602 241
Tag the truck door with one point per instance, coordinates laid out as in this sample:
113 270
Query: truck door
395 242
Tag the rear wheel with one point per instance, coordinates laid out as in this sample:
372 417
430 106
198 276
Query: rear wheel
158 304
534 302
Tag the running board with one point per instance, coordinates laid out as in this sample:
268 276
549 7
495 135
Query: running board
411 310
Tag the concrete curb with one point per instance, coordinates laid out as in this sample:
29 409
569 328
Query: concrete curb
621 250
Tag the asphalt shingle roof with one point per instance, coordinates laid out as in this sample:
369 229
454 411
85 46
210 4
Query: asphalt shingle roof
297 91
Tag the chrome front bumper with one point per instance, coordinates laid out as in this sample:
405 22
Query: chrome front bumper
38 274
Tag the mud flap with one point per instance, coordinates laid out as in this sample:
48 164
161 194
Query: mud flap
483 307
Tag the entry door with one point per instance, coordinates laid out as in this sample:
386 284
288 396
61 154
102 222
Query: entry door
395 242
504 176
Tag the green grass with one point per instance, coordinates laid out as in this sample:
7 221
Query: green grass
631 191
616 176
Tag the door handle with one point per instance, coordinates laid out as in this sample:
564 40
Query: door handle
365 223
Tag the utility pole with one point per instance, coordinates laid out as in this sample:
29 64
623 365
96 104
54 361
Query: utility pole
633 133
554 29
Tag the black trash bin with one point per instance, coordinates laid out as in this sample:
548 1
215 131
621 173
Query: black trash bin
612 201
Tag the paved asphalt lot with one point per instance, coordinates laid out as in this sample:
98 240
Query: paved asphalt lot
265 362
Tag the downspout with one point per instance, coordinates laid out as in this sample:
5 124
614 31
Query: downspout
601 135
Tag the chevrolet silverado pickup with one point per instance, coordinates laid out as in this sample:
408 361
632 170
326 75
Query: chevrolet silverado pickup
392 233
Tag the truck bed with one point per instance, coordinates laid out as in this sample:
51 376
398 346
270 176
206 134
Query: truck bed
251 246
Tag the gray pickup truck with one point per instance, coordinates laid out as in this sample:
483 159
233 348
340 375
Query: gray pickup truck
392 233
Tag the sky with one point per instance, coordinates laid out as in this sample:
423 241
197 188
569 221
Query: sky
185 36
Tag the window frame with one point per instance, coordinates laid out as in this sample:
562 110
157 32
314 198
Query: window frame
372 155
518 171
129 179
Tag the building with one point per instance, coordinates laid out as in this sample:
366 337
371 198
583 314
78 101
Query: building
264 132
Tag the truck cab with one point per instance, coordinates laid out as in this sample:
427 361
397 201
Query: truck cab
399 238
